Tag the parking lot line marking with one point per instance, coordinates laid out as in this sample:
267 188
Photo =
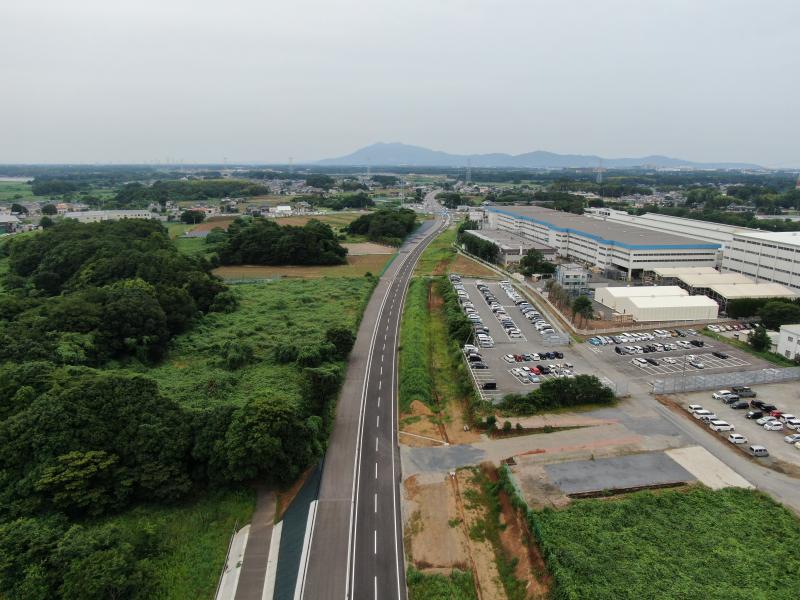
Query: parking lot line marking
378 422
376 469
379 400
375 541
376 504
380 381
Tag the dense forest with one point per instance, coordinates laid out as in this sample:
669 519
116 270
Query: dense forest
138 195
83 438
264 242
385 225
86 293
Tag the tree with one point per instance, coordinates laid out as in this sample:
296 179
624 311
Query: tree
18 209
45 222
316 180
192 217
759 339
534 262
49 209
776 313
582 306
342 339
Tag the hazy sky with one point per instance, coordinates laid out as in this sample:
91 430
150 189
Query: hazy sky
260 80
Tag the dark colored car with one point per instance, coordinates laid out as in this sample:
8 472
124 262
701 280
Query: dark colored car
646 349
528 356
543 369
489 385
754 414
475 358
743 391
762 406
740 405
697 343
550 355
619 350
479 365
652 361
559 354
720 355
731 399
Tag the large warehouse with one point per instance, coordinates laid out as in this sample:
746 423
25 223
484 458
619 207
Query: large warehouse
657 303
512 246
765 256
606 245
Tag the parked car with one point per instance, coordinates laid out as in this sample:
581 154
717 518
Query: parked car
479 365
737 438
704 415
739 404
759 451
694 408
793 424
652 361
765 419
722 394
743 391
754 414
773 425
721 355
720 425
792 438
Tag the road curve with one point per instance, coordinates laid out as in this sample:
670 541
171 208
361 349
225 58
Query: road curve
356 549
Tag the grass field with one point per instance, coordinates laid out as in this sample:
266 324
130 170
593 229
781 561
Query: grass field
728 544
415 382
357 266
195 538
271 313
10 189
441 258
334 219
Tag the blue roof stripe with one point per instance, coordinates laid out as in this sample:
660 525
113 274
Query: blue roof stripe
603 240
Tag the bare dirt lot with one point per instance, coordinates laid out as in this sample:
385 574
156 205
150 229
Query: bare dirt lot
361 248
213 223
465 266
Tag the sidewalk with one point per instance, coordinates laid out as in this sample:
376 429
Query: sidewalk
254 565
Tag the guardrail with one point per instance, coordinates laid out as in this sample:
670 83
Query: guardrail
227 555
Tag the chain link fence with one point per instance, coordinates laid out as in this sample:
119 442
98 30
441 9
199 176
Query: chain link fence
693 383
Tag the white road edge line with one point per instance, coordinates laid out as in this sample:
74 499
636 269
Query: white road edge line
306 553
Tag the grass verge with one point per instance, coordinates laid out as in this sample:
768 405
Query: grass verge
458 585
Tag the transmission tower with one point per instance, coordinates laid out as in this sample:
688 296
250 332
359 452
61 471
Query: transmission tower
599 170
468 177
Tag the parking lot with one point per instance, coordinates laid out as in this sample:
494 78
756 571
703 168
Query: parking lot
678 360
517 376
783 395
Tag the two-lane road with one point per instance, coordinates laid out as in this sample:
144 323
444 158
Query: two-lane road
357 547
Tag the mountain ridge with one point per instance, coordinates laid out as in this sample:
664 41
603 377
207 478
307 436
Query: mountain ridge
399 154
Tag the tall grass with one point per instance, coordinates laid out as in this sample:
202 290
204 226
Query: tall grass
193 540
414 378
439 253
458 585
731 543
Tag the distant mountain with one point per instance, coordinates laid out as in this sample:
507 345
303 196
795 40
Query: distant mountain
396 154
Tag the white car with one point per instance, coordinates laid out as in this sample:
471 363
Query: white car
720 425
793 424
713 328
509 358
773 425
694 408
765 420
792 438
704 415
737 438
697 364
787 417
669 360
721 395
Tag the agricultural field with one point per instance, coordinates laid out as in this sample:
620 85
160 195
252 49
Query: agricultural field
9 190
271 314
699 543
357 266
193 538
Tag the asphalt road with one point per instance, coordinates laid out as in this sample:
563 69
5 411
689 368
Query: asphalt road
356 547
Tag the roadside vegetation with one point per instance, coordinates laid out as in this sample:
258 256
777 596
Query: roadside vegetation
385 225
694 543
458 585
581 390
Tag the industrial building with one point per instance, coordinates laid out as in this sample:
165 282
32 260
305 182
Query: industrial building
657 303
765 256
95 216
607 245
702 231
789 341
572 277
725 292
512 246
